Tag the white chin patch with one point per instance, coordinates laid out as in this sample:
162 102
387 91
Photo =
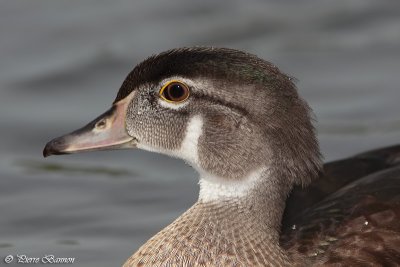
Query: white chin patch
213 188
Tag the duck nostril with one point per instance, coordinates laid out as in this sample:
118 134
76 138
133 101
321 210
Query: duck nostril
101 124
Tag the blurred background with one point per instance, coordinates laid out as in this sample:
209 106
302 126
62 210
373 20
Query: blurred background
62 62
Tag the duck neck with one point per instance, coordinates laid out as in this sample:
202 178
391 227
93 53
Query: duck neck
253 206
232 224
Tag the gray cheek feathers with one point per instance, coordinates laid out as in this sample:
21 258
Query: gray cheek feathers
155 126
230 147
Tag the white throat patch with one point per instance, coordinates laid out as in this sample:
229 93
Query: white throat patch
214 188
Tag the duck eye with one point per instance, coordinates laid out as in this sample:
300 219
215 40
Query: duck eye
175 92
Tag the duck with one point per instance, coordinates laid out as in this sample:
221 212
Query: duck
265 197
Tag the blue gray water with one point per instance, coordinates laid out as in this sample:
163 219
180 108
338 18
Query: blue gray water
62 62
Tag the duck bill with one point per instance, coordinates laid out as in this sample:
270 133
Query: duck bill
106 132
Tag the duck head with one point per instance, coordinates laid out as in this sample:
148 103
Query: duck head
226 112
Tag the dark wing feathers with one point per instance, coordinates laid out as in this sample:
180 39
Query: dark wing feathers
354 217
336 175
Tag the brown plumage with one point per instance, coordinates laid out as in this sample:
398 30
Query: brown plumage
250 135
352 218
